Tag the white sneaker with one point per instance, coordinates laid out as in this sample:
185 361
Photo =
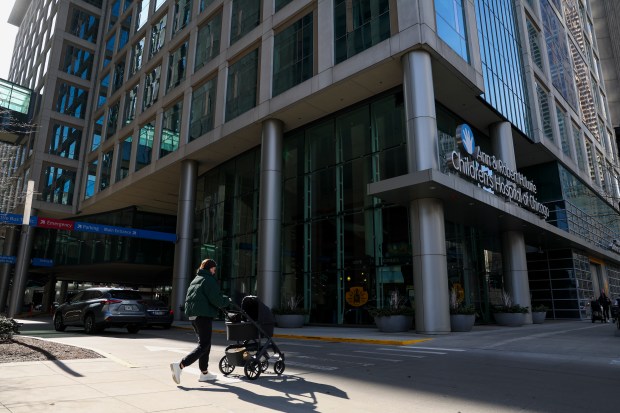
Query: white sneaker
207 377
176 372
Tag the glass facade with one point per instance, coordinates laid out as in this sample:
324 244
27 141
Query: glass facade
145 145
83 25
158 36
78 62
203 106
71 100
246 15
242 89
450 18
150 92
105 179
293 55
171 129
124 158
359 25
177 65
59 185
182 14
208 43
65 141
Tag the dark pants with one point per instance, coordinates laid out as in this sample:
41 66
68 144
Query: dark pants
203 327
606 312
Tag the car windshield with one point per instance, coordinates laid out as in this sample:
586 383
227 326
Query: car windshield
125 295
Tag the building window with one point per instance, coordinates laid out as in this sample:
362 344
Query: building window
281 3
158 4
71 100
245 17
84 25
182 14
242 85
545 112
204 4
450 17
177 63
208 44
78 62
293 55
601 170
112 119
114 12
151 88
142 13
201 115
131 99
158 36
124 34
359 25
97 131
534 39
563 128
586 100
65 141
171 129
103 90
91 179
59 185
119 76
145 145
109 51
578 147
137 53
124 157
591 163
106 170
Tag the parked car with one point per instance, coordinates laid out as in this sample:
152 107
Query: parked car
98 308
615 308
158 314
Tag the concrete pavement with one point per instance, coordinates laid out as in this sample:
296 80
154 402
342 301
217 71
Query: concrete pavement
132 379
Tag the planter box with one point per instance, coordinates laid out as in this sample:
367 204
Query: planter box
538 317
394 323
462 322
510 319
290 320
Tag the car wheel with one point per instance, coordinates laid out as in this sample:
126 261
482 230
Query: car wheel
89 324
58 323
133 329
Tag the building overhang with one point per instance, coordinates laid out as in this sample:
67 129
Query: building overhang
468 204
18 12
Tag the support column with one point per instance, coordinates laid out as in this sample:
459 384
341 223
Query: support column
183 264
64 286
49 293
5 269
270 216
22 265
428 237
513 243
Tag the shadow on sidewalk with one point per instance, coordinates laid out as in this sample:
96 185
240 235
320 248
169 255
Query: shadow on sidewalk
298 394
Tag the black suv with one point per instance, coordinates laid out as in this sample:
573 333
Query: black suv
100 308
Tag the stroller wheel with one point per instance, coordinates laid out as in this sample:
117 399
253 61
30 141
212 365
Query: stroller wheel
264 363
225 367
252 369
279 367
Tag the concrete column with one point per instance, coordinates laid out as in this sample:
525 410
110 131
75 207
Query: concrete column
502 144
5 269
270 216
22 265
183 265
430 268
64 286
49 293
430 272
515 270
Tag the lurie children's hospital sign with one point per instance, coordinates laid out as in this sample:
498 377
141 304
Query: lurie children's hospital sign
494 173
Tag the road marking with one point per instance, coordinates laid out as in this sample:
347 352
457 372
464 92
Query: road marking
310 366
400 355
437 348
336 361
410 350
291 343
536 336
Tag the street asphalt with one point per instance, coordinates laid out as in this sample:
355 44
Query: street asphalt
134 375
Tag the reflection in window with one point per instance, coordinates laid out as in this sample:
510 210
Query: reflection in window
242 85
142 13
59 185
591 162
124 33
534 38
359 26
97 131
119 76
131 99
177 63
563 129
151 88
208 44
182 14
106 170
586 100
451 28
84 25
78 62
245 17
65 141
114 12
545 112
112 119
281 3
109 50
122 169
145 145
578 147
103 90
171 129
71 100
91 178
292 55
201 116
158 36
137 53
158 4
204 4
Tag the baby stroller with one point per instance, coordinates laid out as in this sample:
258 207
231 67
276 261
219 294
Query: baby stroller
251 328
597 311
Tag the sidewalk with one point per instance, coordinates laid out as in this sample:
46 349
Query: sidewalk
134 375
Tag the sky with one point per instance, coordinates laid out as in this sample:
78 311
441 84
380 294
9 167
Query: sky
7 38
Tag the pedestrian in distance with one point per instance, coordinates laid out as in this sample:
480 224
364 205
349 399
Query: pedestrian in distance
203 301
605 302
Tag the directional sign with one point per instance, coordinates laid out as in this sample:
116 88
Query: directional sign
7 259
42 262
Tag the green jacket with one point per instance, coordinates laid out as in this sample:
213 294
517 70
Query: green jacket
204 297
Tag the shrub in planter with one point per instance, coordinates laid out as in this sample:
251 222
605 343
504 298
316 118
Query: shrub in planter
8 327
396 317
291 314
538 314
462 316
